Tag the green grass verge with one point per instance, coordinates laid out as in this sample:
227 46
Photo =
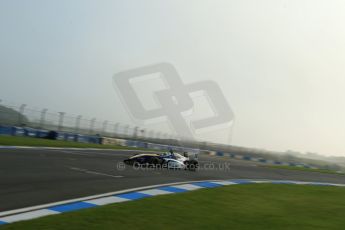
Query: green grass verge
40 142
259 206
303 169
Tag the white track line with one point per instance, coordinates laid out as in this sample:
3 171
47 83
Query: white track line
94 172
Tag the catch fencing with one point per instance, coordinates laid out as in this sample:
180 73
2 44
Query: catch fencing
44 119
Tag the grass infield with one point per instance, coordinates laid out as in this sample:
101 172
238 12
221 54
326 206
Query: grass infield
250 206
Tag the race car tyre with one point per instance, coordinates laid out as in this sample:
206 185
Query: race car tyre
136 165
128 162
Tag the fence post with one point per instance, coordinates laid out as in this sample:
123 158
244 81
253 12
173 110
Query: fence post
143 132
104 127
135 131
116 126
61 116
43 118
77 123
126 129
92 124
21 114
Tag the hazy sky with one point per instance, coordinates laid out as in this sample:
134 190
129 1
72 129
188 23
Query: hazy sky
280 64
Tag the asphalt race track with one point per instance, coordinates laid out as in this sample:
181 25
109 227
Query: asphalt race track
31 177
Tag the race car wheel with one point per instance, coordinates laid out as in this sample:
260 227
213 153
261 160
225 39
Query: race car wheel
193 165
155 162
128 161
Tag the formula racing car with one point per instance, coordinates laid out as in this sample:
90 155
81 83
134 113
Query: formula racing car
169 160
